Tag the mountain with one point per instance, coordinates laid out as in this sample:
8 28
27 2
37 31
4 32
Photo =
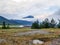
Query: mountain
29 16
3 19
14 22
23 22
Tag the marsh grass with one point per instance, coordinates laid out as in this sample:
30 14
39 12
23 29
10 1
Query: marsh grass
8 35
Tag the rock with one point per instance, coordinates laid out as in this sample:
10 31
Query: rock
38 42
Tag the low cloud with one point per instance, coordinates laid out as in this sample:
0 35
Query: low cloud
20 8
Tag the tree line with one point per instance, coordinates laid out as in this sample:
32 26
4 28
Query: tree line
4 26
45 24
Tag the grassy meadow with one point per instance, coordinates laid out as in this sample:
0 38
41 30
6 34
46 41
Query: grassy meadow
9 39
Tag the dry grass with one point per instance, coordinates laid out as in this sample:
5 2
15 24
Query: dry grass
7 34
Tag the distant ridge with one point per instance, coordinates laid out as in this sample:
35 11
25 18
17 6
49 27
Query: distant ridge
14 22
3 19
23 22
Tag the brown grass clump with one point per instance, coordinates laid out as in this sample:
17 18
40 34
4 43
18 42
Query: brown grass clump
10 39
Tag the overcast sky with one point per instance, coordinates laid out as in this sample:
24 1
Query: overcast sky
40 9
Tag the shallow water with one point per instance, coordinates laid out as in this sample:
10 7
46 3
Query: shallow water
31 32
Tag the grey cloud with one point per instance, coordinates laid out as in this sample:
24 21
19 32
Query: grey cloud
24 8
57 12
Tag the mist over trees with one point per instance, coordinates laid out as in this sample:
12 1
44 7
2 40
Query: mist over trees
45 24
52 23
35 25
58 24
4 25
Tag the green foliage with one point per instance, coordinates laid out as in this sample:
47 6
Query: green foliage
44 24
35 25
52 23
8 26
3 25
58 24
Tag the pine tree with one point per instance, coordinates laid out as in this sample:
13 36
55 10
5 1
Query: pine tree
52 23
45 24
35 25
3 25
8 26
58 24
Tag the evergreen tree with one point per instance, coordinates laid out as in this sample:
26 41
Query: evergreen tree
35 25
8 26
45 24
41 25
58 24
52 23
3 25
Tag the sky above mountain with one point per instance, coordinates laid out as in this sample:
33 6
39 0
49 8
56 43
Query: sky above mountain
40 9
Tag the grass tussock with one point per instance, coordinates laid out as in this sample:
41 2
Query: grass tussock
9 39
